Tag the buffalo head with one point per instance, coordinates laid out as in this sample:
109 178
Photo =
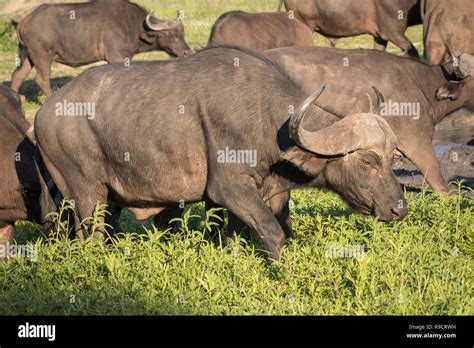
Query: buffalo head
462 71
358 151
167 36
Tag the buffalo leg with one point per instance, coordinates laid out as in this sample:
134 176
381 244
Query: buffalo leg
423 156
20 74
403 43
113 219
434 53
247 205
86 195
162 220
85 208
42 62
6 238
234 225
43 71
280 206
380 44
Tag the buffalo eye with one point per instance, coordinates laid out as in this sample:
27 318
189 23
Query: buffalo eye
366 163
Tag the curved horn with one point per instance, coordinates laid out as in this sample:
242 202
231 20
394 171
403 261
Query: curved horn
159 25
297 133
354 132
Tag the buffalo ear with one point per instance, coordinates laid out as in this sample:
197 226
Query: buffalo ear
450 90
304 161
149 38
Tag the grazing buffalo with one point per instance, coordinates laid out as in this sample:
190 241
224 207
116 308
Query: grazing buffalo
84 33
447 26
206 128
259 31
20 186
385 20
411 95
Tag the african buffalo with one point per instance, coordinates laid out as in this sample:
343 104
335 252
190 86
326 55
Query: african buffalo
447 26
223 125
385 20
20 186
84 33
411 95
259 31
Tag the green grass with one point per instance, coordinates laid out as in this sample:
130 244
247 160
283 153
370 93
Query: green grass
422 265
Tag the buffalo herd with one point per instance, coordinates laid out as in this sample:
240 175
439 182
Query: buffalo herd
238 124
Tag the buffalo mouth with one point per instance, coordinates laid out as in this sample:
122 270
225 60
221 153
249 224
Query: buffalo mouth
384 215
389 214
364 209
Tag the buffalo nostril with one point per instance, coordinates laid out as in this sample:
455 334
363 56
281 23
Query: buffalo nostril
399 213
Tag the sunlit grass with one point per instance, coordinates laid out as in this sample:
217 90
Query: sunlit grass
422 265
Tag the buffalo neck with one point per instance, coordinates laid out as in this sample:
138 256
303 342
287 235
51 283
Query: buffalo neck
429 79
146 47
316 118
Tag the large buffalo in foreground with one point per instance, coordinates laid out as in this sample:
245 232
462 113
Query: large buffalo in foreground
206 128
259 31
20 184
84 33
448 27
385 20
411 95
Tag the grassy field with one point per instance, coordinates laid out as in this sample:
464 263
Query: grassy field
422 265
